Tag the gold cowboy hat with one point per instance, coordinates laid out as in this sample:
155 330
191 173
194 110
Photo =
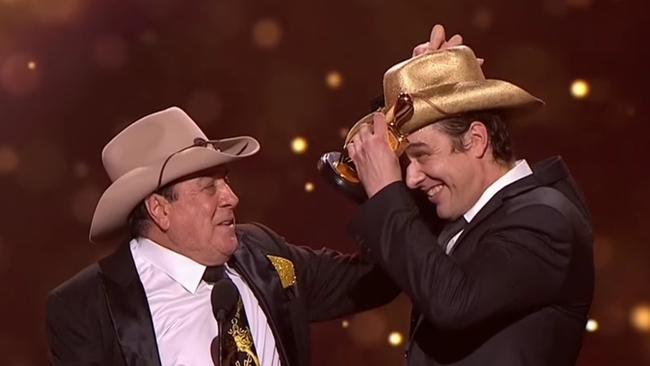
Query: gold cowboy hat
439 85
151 152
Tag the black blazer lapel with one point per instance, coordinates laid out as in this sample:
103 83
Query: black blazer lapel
262 277
545 173
129 309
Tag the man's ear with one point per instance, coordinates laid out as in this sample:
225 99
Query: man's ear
477 139
158 208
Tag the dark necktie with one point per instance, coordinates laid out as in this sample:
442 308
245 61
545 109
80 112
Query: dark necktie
238 347
450 229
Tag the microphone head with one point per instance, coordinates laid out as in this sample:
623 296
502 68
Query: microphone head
224 298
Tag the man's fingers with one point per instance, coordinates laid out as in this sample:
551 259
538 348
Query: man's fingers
420 49
437 37
379 122
364 133
455 40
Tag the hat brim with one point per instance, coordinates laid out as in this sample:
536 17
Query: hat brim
445 101
124 194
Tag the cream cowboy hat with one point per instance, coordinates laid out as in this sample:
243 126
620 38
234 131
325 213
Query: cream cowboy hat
151 152
442 84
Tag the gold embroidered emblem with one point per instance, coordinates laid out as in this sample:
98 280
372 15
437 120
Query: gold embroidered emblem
243 342
285 270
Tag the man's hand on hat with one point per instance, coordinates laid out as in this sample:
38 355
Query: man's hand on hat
437 42
375 162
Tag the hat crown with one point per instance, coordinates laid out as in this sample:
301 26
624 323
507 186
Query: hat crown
148 141
449 66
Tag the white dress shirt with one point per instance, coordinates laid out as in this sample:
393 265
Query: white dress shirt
519 171
181 311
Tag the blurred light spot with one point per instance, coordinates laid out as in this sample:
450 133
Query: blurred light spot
395 339
309 187
81 170
56 12
482 18
581 4
579 89
204 106
592 325
267 33
345 324
8 160
369 329
31 65
334 79
640 318
16 77
343 132
42 165
110 52
83 204
299 145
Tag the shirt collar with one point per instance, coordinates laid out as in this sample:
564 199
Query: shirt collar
180 268
519 171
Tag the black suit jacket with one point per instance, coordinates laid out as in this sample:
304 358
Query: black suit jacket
515 290
101 316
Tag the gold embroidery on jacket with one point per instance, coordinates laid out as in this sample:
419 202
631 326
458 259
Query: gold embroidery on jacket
285 270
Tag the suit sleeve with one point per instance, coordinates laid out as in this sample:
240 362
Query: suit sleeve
333 284
71 341
521 263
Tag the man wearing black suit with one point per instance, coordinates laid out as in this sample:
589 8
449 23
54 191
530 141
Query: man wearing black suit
149 303
509 279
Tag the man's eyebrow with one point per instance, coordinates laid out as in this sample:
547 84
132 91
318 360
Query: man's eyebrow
416 146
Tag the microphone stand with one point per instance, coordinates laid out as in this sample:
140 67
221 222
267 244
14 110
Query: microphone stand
221 316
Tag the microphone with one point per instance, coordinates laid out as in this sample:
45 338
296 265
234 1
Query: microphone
224 298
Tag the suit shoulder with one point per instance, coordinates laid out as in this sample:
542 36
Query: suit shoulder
545 198
81 284
263 237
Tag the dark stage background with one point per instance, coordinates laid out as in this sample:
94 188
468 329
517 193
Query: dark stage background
74 72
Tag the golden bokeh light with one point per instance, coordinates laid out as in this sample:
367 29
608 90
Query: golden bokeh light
640 318
299 145
482 18
345 324
592 325
31 65
16 76
267 33
309 187
395 339
334 79
8 160
580 89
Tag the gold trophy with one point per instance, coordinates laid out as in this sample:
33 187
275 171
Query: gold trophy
338 169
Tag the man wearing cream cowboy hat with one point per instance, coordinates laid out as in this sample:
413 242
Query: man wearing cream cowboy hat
509 279
150 303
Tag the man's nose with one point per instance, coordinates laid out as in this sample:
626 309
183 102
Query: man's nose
414 176
228 197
